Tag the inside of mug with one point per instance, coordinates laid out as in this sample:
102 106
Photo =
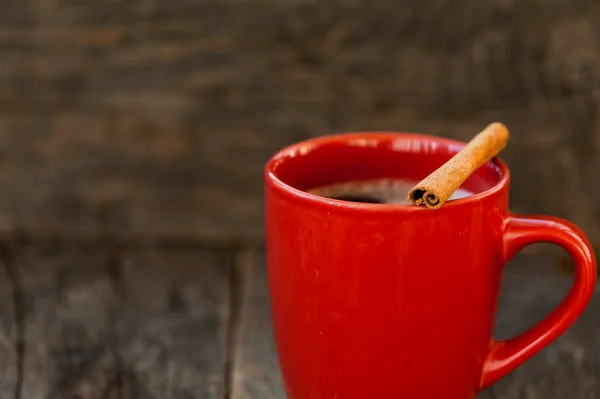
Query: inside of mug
375 156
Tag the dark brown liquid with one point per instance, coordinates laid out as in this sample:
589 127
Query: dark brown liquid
376 191
358 198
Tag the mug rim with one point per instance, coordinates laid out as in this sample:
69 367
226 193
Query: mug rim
303 146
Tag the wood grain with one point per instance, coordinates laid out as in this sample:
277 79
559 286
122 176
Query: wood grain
93 323
256 367
165 112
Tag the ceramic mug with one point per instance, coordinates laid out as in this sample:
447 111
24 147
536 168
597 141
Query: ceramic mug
380 301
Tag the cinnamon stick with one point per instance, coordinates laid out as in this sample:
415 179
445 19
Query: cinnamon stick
435 189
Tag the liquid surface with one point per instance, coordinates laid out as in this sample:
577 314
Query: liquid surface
376 191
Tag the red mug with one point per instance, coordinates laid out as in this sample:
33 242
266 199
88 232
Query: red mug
380 301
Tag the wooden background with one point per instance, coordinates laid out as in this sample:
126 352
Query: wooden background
133 135
160 114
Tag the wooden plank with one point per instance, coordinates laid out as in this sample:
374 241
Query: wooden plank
116 324
256 368
165 111
531 288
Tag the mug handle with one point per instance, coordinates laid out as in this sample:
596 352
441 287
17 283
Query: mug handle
520 231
